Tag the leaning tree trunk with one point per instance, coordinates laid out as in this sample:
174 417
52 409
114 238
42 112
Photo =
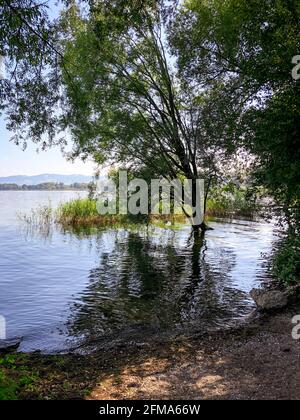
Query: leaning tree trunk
199 228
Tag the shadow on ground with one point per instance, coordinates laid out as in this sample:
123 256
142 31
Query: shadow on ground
259 361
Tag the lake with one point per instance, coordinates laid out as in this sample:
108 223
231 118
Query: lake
59 289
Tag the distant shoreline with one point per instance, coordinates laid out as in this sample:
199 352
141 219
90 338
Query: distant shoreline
49 186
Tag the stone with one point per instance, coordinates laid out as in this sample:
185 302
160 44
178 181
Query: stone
9 344
267 300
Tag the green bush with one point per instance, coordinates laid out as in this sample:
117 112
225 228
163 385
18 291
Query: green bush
231 200
286 260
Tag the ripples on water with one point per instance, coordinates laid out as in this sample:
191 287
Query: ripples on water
61 287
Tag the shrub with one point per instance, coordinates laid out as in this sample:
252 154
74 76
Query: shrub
286 260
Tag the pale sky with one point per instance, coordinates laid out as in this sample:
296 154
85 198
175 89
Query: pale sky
13 161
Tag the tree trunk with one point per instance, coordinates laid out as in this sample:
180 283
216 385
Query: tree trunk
201 228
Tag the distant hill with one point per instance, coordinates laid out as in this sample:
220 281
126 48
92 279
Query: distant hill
44 178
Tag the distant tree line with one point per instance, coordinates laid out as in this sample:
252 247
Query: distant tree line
45 186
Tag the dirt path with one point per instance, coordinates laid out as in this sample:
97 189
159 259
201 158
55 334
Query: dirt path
259 362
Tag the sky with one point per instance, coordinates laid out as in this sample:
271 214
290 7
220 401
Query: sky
14 161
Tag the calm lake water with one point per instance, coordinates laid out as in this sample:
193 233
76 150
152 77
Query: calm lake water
59 288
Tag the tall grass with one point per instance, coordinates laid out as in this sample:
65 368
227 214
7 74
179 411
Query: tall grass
84 212
41 216
78 208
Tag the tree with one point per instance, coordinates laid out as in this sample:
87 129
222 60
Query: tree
244 49
126 101
28 94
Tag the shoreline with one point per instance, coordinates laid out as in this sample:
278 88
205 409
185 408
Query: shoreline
256 360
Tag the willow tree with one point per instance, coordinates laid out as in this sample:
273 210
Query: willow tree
125 99
28 92
107 74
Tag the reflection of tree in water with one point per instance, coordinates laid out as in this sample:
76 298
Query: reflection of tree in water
211 300
148 283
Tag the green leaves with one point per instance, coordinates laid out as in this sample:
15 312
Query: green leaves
286 260
241 51
29 93
179 91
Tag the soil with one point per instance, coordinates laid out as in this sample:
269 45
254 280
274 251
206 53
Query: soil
260 360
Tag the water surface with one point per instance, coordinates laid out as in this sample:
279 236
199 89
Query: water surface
58 288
